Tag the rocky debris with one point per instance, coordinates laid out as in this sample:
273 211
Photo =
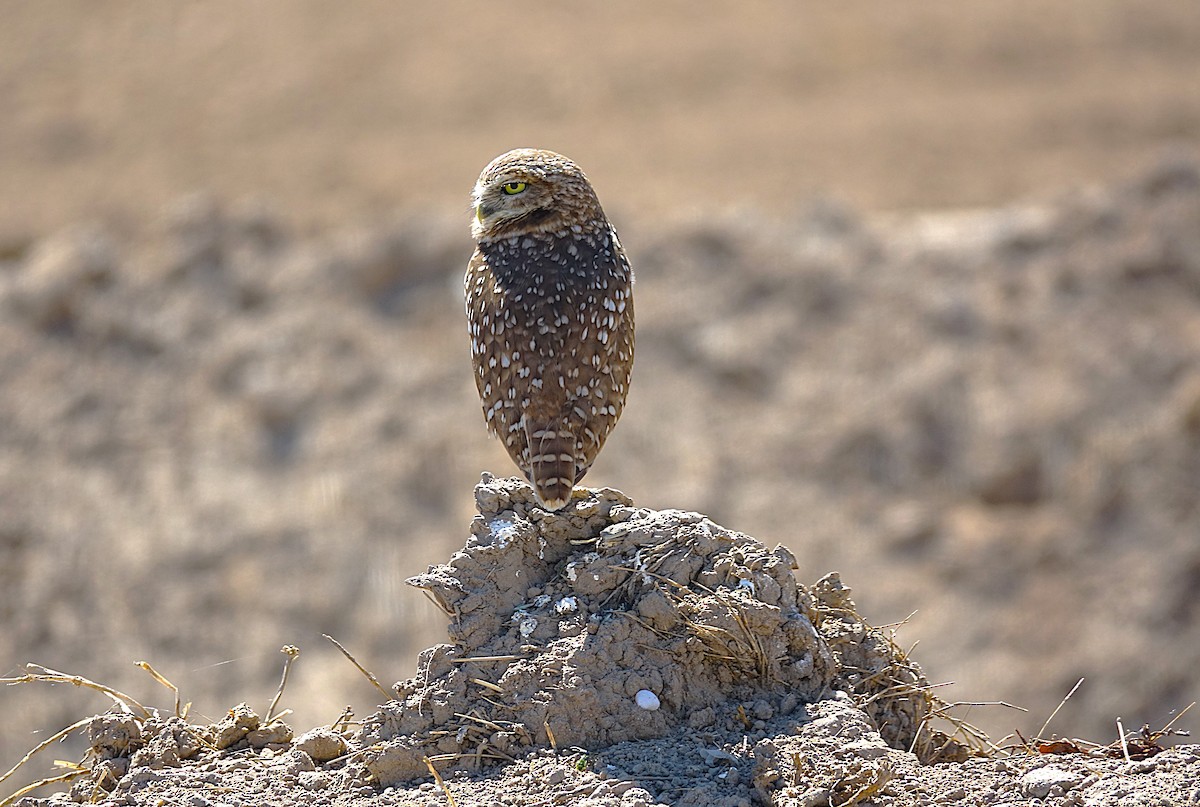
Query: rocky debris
60 275
1049 780
321 744
823 753
123 748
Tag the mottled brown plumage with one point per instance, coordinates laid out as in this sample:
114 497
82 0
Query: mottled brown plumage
550 307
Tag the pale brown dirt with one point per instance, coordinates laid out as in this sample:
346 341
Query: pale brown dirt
261 435
612 655
335 113
229 424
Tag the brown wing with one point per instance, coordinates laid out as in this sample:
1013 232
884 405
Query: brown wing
609 358
498 377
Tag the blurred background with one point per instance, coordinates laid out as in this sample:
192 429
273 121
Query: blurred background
919 297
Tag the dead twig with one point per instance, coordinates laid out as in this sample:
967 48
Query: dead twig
64 777
437 777
157 676
370 677
1042 730
292 653
47 675
343 720
1121 737
42 746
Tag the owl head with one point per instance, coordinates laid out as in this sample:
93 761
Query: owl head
531 190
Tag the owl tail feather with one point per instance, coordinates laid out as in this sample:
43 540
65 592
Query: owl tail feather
551 463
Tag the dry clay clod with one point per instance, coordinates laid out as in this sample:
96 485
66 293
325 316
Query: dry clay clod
665 601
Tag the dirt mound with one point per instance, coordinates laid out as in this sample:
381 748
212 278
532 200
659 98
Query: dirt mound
607 623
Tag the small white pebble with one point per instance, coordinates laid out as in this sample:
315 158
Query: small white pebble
567 605
646 700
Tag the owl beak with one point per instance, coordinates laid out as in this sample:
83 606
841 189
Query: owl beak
482 212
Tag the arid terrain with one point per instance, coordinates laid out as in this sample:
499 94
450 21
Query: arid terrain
610 655
918 297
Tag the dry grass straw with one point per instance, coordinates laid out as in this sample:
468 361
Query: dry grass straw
1130 746
437 777
342 723
50 780
291 653
1057 709
124 703
66 777
743 649
46 675
437 599
369 675
180 712
877 779
41 674
901 680
845 790
478 732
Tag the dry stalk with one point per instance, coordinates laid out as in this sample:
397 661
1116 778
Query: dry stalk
481 721
1061 703
1124 742
343 720
65 777
437 777
41 747
879 779
291 652
370 677
974 737
47 675
157 676
488 685
1167 728
490 753
467 659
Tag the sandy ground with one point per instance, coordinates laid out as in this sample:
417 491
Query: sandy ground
239 419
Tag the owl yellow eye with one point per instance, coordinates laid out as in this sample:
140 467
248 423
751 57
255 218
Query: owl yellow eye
513 188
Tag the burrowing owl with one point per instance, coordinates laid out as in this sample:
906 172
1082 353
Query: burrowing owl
550 307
